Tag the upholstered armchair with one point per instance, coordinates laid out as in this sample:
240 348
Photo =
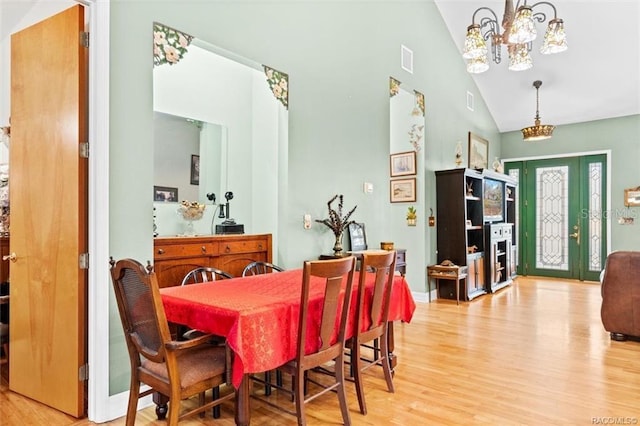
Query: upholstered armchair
620 309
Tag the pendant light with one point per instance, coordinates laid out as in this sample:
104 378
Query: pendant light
538 131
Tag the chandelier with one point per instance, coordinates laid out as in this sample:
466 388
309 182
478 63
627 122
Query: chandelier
519 32
538 131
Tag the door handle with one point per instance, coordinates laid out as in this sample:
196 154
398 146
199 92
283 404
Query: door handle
576 234
12 257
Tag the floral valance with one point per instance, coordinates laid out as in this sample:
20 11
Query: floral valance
279 84
394 87
169 45
419 101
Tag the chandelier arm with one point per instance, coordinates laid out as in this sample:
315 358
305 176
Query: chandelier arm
488 28
541 16
473 18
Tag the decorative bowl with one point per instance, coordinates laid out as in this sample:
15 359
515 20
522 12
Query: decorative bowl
386 245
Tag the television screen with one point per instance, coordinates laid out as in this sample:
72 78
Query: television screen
493 201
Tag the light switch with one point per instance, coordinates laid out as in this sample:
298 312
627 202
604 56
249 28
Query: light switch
367 187
307 221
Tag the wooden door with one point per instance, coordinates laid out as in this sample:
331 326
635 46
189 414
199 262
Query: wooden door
48 187
564 216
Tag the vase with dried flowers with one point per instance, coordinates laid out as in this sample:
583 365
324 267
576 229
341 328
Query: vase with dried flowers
337 223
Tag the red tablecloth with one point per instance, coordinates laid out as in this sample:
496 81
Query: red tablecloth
259 314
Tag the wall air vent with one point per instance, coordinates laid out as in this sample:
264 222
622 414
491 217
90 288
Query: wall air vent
406 59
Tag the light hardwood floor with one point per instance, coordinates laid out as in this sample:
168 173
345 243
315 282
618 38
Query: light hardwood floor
535 353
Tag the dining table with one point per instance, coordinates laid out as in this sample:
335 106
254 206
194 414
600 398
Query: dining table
258 316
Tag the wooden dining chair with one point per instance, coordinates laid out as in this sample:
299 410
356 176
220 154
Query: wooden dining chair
259 267
177 370
325 323
372 314
196 276
204 274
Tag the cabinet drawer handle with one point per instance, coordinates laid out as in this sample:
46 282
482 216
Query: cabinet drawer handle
160 251
227 249
259 246
204 249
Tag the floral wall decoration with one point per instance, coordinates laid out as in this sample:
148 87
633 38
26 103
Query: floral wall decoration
419 101
279 84
415 136
394 87
169 45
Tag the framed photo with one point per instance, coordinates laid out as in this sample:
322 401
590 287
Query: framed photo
403 190
195 170
632 197
403 164
478 152
165 193
357 237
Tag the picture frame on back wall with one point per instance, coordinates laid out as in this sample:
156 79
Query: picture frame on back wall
165 194
632 197
403 190
195 170
478 152
403 163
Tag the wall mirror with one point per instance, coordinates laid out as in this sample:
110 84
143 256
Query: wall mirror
407 178
224 115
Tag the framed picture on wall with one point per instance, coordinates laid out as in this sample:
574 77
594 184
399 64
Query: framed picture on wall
632 197
165 194
403 190
403 164
195 170
478 152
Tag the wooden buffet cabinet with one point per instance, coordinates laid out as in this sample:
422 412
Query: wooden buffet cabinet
477 221
175 256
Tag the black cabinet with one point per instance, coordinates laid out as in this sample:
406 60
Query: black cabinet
469 203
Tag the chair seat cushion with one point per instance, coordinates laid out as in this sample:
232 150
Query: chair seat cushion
195 365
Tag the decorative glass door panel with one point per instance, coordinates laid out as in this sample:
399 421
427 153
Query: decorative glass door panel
552 218
561 209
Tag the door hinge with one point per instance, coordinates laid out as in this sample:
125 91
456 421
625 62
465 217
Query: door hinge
84 39
84 261
84 149
83 373
526 203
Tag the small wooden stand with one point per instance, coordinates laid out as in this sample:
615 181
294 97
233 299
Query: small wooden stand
451 273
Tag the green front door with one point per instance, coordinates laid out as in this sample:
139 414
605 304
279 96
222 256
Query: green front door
562 216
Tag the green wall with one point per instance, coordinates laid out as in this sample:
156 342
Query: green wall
619 135
339 56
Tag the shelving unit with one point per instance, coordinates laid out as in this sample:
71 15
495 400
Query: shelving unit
464 231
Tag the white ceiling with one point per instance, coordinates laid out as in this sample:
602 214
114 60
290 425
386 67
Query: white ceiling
598 77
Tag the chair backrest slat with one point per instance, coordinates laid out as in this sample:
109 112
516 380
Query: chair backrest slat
337 280
383 266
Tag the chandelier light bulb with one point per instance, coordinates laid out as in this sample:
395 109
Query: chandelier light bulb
519 58
477 65
523 29
555 39
474 44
